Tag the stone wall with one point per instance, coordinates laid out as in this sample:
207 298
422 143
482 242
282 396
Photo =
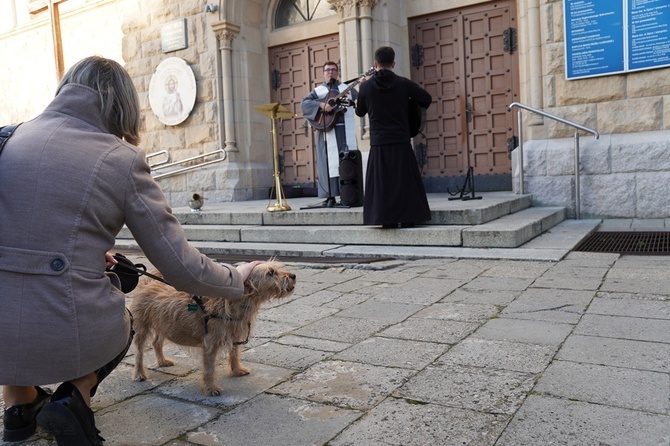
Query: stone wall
247 172
623 172
198 134
28 77
622 175
623 103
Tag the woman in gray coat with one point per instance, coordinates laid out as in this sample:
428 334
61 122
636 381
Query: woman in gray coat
69 180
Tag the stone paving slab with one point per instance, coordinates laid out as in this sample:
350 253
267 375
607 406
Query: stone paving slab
345 384
640 329
639 355
405 422
632 308
151 419
388 352
271 419
484 390
470 312
513 356
430 330
611 386
544 420
422 352
519 330
475 296
549 305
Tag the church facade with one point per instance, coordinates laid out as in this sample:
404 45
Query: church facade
234 60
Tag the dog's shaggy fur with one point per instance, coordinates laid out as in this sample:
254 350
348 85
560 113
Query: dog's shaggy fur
160 309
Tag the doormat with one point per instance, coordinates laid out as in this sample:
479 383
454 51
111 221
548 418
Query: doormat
637 242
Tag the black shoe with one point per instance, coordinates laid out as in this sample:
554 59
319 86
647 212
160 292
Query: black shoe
391 225
19 421
407 225
69 419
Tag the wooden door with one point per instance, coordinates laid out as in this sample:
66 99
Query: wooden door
467 59
295 69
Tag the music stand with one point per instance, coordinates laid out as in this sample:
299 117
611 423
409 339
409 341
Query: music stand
273 111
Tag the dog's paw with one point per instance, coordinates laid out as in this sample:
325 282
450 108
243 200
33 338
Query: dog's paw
240 371
165 362
139 376
212 391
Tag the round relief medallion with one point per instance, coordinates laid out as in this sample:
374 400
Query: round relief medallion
172 91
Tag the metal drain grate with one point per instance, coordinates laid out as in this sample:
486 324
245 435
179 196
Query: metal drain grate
641 243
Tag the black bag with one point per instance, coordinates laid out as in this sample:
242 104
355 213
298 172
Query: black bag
128 273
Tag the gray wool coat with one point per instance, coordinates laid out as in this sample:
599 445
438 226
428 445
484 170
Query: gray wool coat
67 187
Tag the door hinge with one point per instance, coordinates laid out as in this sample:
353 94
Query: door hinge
417 56
275 79
509 40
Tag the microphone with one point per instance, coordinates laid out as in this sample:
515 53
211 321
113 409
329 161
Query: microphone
331 82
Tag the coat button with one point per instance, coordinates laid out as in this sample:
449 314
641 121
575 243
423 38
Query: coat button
57 264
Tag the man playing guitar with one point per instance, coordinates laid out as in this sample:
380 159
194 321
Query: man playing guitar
326 110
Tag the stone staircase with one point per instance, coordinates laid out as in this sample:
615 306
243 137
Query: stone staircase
497 220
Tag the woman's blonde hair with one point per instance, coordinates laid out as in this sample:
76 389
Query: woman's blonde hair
120 105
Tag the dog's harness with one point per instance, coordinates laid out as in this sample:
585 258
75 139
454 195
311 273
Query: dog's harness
208 316
140 270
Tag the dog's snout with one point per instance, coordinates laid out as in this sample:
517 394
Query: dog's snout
292 276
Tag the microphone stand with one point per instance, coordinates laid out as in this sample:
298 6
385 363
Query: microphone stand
330 201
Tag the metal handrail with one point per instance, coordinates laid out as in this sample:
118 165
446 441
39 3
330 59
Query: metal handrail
160 152
564 121
193 167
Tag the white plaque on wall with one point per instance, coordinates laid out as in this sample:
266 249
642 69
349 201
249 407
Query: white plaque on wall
172 91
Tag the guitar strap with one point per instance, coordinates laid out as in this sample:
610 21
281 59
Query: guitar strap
5 133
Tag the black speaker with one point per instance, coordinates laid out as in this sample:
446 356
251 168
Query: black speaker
351 178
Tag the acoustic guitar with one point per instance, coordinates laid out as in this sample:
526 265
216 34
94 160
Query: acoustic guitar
326 120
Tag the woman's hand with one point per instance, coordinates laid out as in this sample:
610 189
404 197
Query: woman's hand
246 268
110 260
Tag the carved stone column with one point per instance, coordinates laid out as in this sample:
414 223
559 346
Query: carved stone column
367 52
225 33
535 60
349 36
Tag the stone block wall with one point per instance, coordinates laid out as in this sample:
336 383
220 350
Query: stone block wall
622 175
633 102
198 134
28 76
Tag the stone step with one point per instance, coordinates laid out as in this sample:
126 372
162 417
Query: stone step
444 211
513 230
504 223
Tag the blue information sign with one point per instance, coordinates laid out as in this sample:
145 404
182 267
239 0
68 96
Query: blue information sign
609 37
593 38
648 34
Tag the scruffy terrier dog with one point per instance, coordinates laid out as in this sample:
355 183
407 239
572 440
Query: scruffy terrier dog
211 324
